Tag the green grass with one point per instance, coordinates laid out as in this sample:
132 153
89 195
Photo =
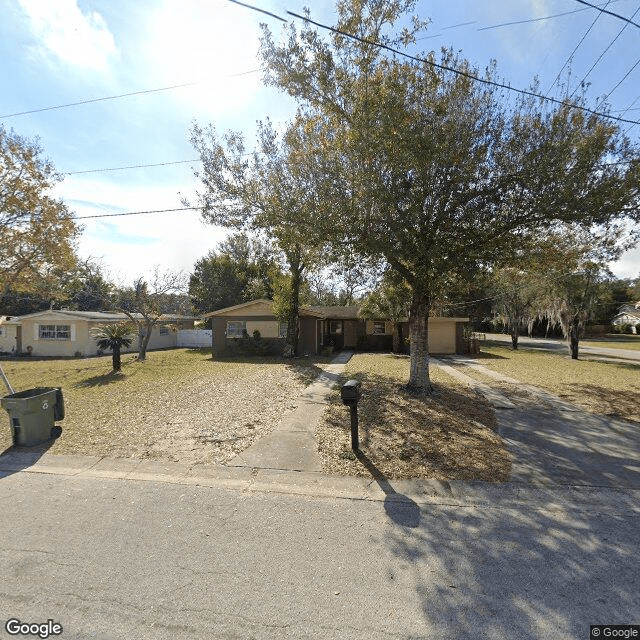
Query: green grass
615 341
601 387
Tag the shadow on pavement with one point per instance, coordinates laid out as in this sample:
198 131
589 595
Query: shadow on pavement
15 459
570 447
400 508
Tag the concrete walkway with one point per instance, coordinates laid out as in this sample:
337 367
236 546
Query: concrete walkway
292 446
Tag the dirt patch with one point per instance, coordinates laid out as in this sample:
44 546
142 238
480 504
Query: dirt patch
179 405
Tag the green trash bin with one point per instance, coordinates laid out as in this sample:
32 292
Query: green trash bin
33 413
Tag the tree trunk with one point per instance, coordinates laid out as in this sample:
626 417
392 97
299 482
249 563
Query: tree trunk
397 340
514 335
144 342
419 336
116 359
574 338
293 325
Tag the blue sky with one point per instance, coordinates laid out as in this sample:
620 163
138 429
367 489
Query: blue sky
57 52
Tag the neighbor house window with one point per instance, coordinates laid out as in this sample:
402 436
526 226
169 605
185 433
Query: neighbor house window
379 327
282 331
164 331
335 326
55 332
236 329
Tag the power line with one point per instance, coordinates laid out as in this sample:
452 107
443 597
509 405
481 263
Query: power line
508 24
515 22
616 15
122 95
135 213
593 66
619 83
576 48
464 74
132 166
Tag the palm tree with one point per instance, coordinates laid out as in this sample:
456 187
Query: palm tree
114 337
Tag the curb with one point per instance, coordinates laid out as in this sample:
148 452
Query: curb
317 485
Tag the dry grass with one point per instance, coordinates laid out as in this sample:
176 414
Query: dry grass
179 405
609 388
448 435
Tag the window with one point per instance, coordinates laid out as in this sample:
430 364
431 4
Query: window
282 330
164 331
55 332
335 326
379 328
236 329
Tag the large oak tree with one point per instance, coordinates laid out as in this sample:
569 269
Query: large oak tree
434 172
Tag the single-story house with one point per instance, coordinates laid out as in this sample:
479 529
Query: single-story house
68 333
629 314
320 327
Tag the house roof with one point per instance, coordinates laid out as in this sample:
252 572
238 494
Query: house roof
337 313
93 316
632 313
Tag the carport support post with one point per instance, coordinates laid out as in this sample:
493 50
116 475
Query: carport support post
355 445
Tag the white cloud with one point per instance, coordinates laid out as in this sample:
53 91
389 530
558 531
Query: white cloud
210 42
130 246
69 36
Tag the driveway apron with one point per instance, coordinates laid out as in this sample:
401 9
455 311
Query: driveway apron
554 442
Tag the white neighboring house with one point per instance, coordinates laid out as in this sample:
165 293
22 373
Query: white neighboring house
68 333
628 314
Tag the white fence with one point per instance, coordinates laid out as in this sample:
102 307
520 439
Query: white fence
194 338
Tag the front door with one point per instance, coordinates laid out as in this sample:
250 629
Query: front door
335 333
19 339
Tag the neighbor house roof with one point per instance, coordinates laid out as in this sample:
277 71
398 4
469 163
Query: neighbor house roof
94 316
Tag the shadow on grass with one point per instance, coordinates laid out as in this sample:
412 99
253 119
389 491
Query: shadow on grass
622 403
450 434
400 508
101 380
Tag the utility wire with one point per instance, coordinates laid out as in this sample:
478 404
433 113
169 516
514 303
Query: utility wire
593 66
132 166
458 72
135 213
508 24
616 15
122 95
576 48
619 83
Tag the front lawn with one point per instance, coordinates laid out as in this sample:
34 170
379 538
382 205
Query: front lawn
179 405
449 435
615 341
611 388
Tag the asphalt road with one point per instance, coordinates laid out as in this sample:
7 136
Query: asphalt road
561 345
124 559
